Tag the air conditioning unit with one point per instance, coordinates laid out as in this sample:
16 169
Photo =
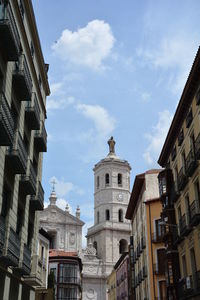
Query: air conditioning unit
188 282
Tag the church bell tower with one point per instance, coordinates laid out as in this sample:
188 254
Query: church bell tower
111 231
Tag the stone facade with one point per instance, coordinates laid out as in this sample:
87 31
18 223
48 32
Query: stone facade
64 228
111 231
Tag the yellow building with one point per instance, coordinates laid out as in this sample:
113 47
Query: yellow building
180 191
147 266
111 286
23 90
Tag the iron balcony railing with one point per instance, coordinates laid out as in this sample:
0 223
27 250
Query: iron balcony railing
26 264
9 35
195 213
17 154
182 179
13 250
22 79
41 139
37 201
6 122
191 163
197 147
28 180
2 234
32 113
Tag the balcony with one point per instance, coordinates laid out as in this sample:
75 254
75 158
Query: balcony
9 35
182 225
180 137
28 181
195 213
13 250
157 237
32 114
189 287
40 139
2 234
159 269
22 79
190 164
189 118
37 201
26 264
6 122
197 147
17 155
182 179
144 272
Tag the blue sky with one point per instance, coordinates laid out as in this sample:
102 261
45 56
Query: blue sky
116 68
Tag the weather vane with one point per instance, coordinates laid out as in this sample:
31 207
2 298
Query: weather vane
53 185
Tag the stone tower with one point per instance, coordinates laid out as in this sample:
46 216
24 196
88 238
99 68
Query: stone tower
111 231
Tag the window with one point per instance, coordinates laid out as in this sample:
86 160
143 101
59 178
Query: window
119 179
97 182
123 246
107 179
32 49
183 159
21 8
98 217
95 246
184 266
39 80
68 273
197 190
193 261
107 215
120 215
6 201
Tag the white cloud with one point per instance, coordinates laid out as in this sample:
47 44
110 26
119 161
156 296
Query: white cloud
61 203
103 122
63 188
88 46
174 53
157 137
53 104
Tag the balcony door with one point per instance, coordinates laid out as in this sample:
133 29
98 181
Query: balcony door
161 257
162 290
193 266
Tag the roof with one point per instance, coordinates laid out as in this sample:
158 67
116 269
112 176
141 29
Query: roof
137 187
182 109
57 253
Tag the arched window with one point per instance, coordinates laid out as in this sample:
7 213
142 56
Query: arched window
123 246
95 246
119 179
107 215
97 182
98 217
107 179
120 215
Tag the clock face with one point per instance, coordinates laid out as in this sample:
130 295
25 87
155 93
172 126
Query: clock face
120 197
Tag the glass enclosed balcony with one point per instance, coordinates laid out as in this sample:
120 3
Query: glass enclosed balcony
9 35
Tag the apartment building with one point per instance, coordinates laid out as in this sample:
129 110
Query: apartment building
122 282
66 267
147 251
111 285
23 90
180 191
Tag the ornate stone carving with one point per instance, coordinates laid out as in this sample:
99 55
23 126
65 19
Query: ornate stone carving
72 238
90 294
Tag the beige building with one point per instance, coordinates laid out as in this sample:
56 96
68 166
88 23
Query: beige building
111 285
23 90
180 191
147 270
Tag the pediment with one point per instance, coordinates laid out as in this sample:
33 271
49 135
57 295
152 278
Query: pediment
55 214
